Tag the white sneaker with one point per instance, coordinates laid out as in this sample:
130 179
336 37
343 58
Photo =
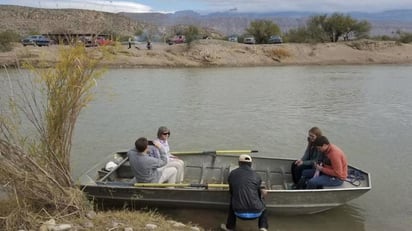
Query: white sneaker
263 229
223 227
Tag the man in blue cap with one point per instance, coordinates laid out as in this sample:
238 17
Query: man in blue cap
246 196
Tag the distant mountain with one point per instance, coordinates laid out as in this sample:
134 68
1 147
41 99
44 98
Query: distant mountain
383 23
28 20
391 16
25 20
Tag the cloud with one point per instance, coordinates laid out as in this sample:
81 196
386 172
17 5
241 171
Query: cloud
305 5
99 5
219 5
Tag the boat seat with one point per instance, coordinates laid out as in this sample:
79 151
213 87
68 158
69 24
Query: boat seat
102 172
344 185
232 167
267 183
277 187
282 173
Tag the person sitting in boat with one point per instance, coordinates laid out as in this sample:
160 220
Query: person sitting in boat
146 169
311 156
163 134
246 196
332 172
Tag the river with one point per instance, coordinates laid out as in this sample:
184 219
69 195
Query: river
365 110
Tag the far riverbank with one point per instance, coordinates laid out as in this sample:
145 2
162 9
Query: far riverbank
218 53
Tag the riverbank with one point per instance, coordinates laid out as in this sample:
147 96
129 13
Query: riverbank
218 53
123 219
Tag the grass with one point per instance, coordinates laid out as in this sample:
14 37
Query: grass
134 219
5 210
280 53
105 220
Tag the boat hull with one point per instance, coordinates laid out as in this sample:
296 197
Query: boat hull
203 170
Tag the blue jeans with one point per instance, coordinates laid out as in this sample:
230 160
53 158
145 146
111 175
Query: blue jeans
231 219
319 181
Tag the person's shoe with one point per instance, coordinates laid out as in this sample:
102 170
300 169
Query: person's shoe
263 229
223 227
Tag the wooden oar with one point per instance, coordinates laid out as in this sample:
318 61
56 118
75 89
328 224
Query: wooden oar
217 152
164 185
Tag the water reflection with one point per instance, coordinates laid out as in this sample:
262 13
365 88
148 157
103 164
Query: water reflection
346 217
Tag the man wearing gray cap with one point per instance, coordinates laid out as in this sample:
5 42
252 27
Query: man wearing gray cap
246 196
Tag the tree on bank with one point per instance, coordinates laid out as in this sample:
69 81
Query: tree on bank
262 30
324 28
191 34
35 159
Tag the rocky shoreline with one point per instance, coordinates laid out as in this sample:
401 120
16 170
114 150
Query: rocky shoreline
219 53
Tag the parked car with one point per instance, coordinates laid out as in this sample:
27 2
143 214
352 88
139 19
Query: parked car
275 39
249 40
176 40
102 41
36 40
232 38
88 41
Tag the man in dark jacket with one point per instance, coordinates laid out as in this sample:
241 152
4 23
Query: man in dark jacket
246 196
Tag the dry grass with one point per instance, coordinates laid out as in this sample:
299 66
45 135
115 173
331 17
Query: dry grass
371 45
34 190
104 220
5 211
118 220
36 167
279 53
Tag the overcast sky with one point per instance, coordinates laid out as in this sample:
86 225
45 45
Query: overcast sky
205 6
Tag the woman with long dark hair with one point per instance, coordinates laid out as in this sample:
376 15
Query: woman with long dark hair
311 156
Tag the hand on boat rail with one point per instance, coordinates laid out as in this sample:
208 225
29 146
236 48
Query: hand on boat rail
215 152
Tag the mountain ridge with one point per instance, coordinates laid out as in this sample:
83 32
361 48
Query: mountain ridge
26 20
383 23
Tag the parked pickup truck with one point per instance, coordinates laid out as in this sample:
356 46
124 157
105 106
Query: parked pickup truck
36 40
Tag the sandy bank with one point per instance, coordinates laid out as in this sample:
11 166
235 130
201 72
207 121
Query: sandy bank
217 53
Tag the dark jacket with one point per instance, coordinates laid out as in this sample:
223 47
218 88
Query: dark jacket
244 188
312 156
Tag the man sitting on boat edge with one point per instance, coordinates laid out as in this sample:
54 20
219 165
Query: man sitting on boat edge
145 168
246 196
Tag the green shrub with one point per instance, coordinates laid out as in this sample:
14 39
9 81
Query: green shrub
6 39
406 38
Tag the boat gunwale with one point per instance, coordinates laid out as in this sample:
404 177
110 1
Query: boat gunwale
126 191
123 152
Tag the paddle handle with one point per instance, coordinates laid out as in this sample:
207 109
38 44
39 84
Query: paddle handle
165 185
217 152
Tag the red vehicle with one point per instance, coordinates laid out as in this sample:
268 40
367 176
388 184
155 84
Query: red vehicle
102 41
176 40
